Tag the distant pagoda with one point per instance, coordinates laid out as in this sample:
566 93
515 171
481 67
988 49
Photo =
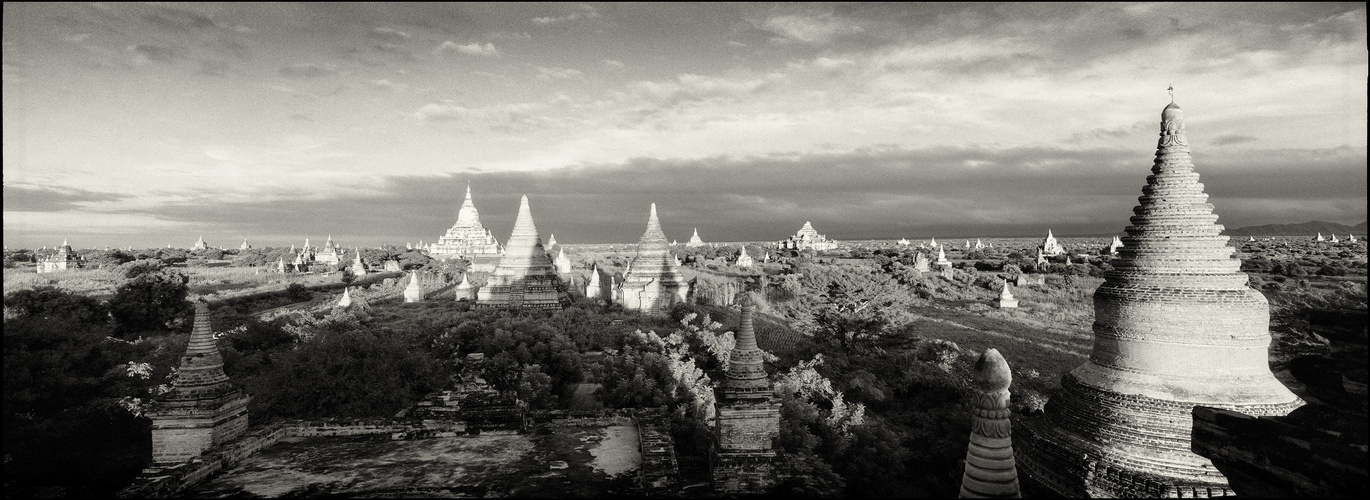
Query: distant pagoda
201 246
1176 326
468 239
1050 247
807 238
244 246
203 408
653 282
525 276
63 260
747 418
694 239
329 253
744 260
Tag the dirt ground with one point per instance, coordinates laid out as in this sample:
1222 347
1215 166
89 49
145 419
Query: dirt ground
559 462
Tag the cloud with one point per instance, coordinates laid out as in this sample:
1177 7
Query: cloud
582 11
389 85
509 35
213 68
309 70
1228 140
77 38
813 29
473 48
144 53
615 65
549 74
884 192
389 34
513 117
45 199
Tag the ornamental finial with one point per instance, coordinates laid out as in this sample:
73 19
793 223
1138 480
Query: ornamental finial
1171 89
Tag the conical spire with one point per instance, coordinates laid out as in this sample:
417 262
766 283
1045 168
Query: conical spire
746 373
1176 326
201 374
413 292
526 276
652 281
346 299
990 470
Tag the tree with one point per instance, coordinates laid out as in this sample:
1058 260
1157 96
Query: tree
151 301
859 308
48 302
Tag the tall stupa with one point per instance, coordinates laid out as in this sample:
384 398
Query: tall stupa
653 282
203 409
1175 326
525 276
468 239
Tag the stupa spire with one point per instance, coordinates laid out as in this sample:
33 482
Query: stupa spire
1176 326
525 276
652 282
990 470
746 373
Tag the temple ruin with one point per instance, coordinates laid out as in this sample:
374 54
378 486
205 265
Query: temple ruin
525 276
203 408
747 419
1175 326
652 283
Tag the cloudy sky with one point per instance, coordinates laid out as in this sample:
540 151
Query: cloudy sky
148 124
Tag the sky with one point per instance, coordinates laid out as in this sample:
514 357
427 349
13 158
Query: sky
148 124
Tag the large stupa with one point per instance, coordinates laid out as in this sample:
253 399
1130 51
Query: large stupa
525 276
468 239
653 282
1176 326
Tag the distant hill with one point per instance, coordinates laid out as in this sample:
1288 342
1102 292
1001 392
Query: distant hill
1309 228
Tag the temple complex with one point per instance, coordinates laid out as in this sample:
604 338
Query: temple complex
652 283
203 408
525 276
990 470
903 242
63 260
747 418
329 254
244 246
200 244
468 239
744 260
1050 247
807 238
921 263
1114 246
1176 326
1006 299
694 240
413 292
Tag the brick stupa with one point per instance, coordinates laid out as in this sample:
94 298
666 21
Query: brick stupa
694 240
990 470
525 277
203 408
653 282
747 418
1175 326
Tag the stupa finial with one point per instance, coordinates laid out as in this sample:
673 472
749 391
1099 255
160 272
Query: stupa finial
1171 89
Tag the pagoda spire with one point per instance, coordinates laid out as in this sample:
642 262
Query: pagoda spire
1176 326
202 367
746 374
990 470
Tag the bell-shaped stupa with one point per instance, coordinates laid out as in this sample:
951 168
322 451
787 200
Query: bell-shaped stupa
525 276
694 239
1176 326
653 282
